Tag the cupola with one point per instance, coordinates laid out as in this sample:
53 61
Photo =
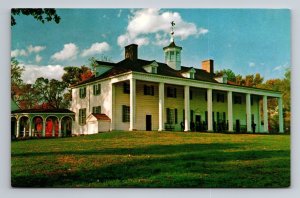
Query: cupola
173 52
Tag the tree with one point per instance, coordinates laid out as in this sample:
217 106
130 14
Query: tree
50 92
230 74
249 80
257 80
42 15
75 75
28 97
16 71
239 80
16 80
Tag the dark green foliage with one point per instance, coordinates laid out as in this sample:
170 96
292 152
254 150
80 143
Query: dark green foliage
50 92
230 74
42 15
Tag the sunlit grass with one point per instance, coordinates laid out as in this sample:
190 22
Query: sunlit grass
153 159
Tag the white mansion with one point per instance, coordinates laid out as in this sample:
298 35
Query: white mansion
136 94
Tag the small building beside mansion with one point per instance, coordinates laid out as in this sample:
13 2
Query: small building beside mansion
137 94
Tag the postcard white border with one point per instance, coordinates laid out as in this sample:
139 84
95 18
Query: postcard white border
7 191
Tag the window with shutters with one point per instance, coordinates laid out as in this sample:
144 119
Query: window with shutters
171 92
149 90
82 92
220 97
176 116
237 99
125 113
82 116
97 89
97 109
192 115
126 88
170 116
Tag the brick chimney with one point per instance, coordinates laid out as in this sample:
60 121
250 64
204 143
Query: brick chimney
208 65
131 52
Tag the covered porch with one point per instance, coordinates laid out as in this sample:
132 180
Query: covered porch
42 123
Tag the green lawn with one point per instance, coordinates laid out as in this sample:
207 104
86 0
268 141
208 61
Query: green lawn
153 159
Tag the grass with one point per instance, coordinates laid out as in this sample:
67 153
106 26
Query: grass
153 159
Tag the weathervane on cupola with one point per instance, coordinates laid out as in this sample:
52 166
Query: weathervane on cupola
172 31
173 52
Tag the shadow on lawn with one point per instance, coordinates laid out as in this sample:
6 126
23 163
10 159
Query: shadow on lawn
180 166
147 150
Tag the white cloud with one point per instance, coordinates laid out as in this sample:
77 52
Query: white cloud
35 49
154 21
32 72
18 52
281 67
277 68
161 39
125 40
96 48
69 51
203 31
24 52
252 64
38 58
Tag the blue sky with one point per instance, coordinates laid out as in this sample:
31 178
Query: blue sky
244 40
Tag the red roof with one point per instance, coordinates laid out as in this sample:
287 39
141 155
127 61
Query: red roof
231 82
100 116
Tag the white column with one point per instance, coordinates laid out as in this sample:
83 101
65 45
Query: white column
280 112
259 116
248 112
30 132
59 127
161 106
44 127
265 109
229 111
113 102
18 128
53 128
187 108
132 103
24 131
209 110
73 127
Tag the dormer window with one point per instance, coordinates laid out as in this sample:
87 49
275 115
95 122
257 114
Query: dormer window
192 75
154 70
151 68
